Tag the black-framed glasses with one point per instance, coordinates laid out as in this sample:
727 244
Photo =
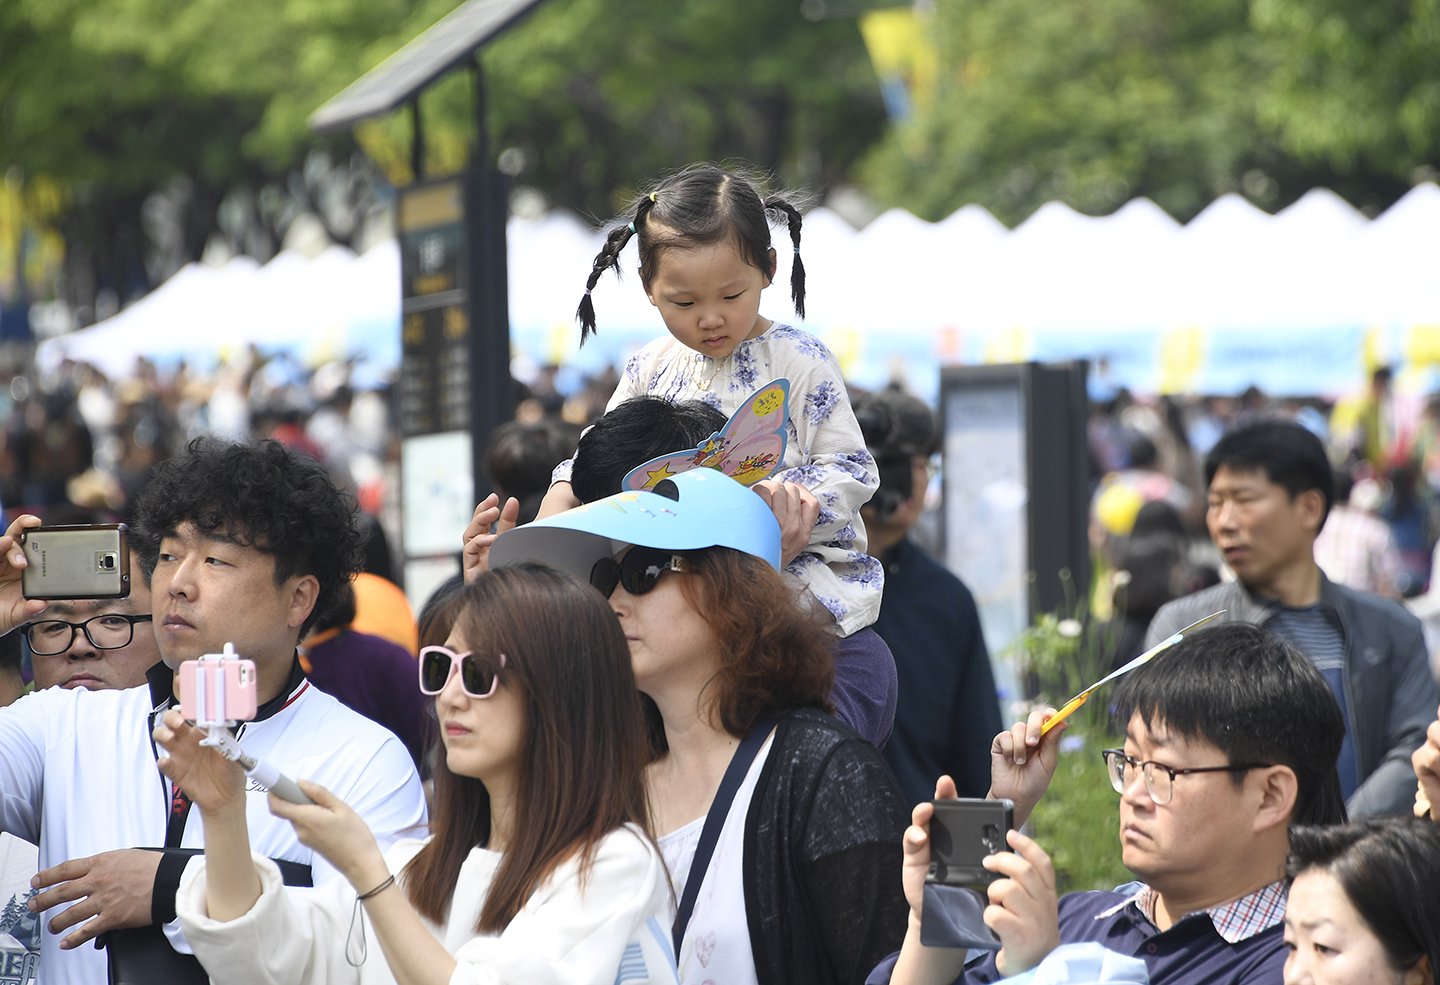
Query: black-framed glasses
637 571
438 663
1159 778
109 631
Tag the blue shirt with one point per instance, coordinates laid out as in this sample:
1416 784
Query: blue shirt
1191 952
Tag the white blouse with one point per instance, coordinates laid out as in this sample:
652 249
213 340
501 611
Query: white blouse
824 450
615 929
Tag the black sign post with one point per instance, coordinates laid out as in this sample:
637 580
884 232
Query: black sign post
454 386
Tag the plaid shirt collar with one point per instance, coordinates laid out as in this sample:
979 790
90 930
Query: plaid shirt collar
1235 921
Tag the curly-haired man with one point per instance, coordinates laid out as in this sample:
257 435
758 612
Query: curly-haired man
245 544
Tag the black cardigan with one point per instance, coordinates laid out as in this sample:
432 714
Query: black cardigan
821 869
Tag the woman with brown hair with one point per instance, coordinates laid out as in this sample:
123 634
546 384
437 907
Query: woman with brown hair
780 825
538 867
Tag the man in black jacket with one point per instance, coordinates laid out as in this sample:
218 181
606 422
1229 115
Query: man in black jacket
946 712
1270 488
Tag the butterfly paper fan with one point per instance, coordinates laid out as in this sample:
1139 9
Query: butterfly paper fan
748 448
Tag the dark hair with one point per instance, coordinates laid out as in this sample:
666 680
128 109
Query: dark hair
1256 699
1389 867
699 206
437 615
774 654
897 429
1143 453
11 653
265 496
342 613
522 456
1150 562
1159 518
585 749
1284 451
631 434
1344 484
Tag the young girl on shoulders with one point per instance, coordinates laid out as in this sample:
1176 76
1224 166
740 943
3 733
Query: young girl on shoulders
705 257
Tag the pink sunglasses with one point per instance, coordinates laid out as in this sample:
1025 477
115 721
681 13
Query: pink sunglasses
438 664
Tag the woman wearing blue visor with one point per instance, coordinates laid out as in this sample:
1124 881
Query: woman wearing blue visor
780 826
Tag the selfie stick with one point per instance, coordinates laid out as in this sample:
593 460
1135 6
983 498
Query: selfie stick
219 738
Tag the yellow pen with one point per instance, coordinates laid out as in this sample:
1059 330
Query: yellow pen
1081 698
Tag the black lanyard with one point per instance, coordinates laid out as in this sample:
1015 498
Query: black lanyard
740 762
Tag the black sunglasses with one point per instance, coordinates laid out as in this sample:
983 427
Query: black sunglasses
637 571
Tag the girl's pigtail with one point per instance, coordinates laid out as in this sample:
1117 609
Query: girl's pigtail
609 256
797 269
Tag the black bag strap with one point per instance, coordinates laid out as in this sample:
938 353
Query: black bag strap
740 762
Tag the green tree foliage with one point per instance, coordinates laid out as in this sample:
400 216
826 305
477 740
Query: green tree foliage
119 97
1095 101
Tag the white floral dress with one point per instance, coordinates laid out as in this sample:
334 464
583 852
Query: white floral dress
825 450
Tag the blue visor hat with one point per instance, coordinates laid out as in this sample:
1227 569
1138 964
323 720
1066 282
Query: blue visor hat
696 509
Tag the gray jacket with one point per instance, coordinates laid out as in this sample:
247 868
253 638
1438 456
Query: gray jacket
1390 695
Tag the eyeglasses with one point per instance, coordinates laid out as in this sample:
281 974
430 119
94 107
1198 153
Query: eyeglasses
1159 778
438 664
637 571
109 631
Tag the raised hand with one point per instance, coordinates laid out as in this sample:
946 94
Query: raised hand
15 608
796 508
1426 761
211 781
330 827
1023 909
475 558
1022 762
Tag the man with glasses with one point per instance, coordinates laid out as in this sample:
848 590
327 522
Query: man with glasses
247 544
1230 737
94 643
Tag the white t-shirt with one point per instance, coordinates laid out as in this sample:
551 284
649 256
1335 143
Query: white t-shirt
716 948
78 777
611 932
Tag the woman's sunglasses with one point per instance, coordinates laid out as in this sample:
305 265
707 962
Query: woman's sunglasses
437 664
637 571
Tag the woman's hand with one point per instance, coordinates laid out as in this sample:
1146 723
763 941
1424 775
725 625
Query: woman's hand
15 608
1022 762
796 509
211 781
475 558
331 828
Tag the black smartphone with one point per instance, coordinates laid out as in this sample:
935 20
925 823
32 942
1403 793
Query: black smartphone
89 561
962 833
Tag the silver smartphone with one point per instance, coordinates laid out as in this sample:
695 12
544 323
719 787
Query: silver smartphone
89 561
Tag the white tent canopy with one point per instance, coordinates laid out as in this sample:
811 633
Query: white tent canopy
1295 302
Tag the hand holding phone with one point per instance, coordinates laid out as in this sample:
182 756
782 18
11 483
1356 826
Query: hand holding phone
87 561
963 833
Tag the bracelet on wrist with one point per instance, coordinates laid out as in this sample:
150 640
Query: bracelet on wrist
377 890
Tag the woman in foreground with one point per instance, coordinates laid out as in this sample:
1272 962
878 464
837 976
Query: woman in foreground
801 885
538 867
1364 906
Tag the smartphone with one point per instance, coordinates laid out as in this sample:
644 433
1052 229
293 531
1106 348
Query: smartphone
962 833
217 689
76 562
